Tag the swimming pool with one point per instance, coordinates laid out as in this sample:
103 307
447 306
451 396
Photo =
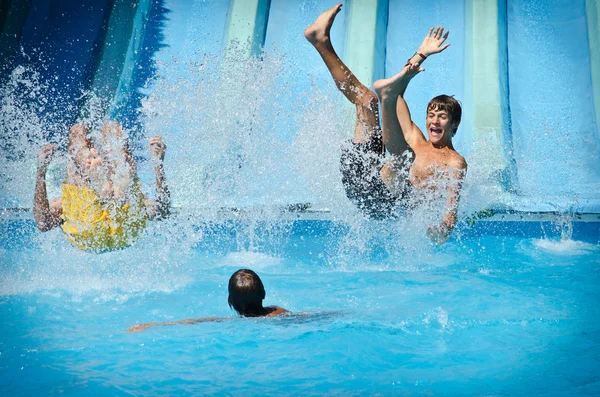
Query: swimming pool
507 307
502 310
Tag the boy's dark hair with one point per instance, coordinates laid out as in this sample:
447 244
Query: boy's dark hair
449 105
246 293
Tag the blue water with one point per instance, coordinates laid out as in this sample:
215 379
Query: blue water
495 312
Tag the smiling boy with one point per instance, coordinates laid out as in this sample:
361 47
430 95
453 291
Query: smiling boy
377 187
436 165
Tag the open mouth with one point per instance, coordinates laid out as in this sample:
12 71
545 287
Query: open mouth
436 131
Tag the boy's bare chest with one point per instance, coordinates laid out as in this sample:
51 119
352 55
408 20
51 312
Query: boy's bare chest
429 166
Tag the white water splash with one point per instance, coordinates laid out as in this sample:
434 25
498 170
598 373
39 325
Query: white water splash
565 247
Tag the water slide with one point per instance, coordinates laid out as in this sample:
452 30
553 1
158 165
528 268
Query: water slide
526 72
554 101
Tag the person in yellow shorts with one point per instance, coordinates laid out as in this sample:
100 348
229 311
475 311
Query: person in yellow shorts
102 207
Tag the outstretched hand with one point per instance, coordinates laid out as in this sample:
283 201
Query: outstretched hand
157 148
45 156
434 41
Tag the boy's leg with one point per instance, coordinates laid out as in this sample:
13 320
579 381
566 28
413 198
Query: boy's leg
388 91
119 165
361 162
367 114
395 172
84 161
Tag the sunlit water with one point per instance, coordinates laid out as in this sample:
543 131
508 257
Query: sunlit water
484 314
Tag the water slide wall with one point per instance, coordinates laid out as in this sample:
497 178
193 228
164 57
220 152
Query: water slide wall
527 72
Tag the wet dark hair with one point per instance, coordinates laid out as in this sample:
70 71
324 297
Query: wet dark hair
449 105
246 293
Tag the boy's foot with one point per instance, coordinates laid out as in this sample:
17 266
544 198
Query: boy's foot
318 32
391 88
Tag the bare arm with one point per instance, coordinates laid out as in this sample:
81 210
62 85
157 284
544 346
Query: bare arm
412 133
432 44
440 233
46 215
161 208
141 327
275 311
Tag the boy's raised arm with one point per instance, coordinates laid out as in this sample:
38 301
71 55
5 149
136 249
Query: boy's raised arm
161 208
46 215
433 43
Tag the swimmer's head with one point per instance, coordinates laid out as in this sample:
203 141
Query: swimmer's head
246 293
446 103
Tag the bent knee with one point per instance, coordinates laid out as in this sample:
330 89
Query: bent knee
78 134
111 125
112 128
78 130
368 101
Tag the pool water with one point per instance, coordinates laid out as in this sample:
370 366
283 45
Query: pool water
496 311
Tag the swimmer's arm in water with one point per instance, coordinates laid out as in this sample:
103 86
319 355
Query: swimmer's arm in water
275 311
47 215
141 327
440 233
159 209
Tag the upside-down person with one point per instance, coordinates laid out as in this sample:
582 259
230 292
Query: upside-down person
380 187
102 207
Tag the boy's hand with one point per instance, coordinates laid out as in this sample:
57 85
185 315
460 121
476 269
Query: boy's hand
45 156
130 162
438 233
434 42
157 148
139 327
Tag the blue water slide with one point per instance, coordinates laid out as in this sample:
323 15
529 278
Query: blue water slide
173 31
189 28
555 137
549 126
64 42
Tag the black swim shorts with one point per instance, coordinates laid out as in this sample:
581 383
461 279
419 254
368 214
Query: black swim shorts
360 165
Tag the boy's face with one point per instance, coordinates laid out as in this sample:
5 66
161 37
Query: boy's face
439 126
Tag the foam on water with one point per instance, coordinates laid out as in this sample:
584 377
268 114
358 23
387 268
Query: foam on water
115 275
565 247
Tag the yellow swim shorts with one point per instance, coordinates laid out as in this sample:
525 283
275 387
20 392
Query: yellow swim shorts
91 225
